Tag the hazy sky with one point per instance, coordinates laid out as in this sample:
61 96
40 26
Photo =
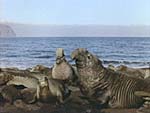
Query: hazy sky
107 12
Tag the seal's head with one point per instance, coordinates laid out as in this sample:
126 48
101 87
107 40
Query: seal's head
59 55
84 58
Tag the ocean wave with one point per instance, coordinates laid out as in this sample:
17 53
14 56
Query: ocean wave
41 51
43 57
13 56
24 52
125 62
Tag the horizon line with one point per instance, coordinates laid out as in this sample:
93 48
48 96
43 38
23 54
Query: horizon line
75 24
78 37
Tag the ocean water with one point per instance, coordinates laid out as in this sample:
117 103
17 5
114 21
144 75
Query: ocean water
27 52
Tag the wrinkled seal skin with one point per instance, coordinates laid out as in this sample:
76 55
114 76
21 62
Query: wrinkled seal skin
105 86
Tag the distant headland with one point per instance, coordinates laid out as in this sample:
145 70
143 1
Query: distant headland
9 29
6 31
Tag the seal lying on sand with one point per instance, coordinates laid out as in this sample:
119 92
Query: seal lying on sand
41 69
34 85
9 69
18 77
142 73
50 90
105 86
62 70
131 71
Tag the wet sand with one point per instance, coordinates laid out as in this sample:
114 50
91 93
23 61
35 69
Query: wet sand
73 105
68 108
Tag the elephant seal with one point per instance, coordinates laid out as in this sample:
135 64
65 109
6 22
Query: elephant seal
142 73
9 69
62 70
10 94
133 72
19 77
52 90
105 86
41 69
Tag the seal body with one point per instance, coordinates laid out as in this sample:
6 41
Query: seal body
41 69
62 70
132 72
106 86
44 93
51 90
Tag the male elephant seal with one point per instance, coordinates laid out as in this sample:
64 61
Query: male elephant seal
105 86
52 90
62 70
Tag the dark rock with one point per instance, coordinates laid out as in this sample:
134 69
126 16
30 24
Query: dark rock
28 95
10 94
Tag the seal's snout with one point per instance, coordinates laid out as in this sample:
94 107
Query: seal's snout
73 55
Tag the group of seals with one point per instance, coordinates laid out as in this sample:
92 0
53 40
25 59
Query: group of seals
39 83
35 89
98 84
